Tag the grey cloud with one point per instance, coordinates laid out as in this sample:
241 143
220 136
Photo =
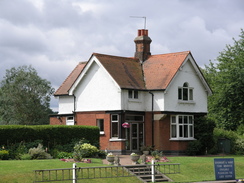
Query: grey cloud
53 38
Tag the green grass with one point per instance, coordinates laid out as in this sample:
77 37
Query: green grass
21 171
192 169
195 169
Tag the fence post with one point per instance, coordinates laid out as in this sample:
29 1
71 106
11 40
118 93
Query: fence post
74 172
153 171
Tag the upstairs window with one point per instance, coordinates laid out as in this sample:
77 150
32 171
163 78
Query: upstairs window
133 94
100 124
185 93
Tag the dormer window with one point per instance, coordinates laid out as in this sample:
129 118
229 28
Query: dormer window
133 94
185 92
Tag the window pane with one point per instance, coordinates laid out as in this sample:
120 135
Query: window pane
100 124
190 120
114 129
70 118
180 120
130 92
185 85
173 119
180 93
134 118
136 94
114 117
190 94
185 120
181 130
185 131
185 93
191 131
173 131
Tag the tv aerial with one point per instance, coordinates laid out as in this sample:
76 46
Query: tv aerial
145 19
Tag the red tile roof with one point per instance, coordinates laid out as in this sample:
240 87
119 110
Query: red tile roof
155 74
127 72
67 84
159 70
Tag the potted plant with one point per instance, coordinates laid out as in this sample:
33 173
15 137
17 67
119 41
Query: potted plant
146 149
110 158
134 157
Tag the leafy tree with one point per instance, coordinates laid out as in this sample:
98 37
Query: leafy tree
24 97
226 78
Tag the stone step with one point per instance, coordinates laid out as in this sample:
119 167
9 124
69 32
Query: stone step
149 176
144 174
156 180
140 170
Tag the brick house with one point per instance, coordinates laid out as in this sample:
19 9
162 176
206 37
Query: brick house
141 100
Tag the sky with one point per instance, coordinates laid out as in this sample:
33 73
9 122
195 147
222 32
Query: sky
53 36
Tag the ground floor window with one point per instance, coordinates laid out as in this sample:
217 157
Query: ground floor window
70 120
182 127
100 124
114 126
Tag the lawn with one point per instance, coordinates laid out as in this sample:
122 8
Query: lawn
202 168
192 169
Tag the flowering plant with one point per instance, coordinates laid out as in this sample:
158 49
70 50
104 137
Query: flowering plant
134 154
126 125
110 155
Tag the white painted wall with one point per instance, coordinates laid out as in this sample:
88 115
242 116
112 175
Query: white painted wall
187 74
144 103
97 91
66 104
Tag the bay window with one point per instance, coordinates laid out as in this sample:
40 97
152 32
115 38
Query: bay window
182 127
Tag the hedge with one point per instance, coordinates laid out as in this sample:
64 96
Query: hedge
50 135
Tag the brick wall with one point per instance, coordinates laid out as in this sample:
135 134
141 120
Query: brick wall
57 121
90 118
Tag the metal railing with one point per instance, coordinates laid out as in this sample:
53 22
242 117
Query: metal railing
79 173
172 168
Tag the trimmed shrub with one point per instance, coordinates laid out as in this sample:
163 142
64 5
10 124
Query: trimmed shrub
59 137
239 146
4 154
84 150
203 129
39 153
194 148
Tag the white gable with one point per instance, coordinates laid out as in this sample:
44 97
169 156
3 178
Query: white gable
96 90
190 74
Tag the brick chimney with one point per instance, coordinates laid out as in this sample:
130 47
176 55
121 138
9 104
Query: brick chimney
142 42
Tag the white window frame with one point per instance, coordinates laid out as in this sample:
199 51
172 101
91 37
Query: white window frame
70 120
114 122
100 124
182 127
133 94
185 93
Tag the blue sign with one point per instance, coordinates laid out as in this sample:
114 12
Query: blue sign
224 168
